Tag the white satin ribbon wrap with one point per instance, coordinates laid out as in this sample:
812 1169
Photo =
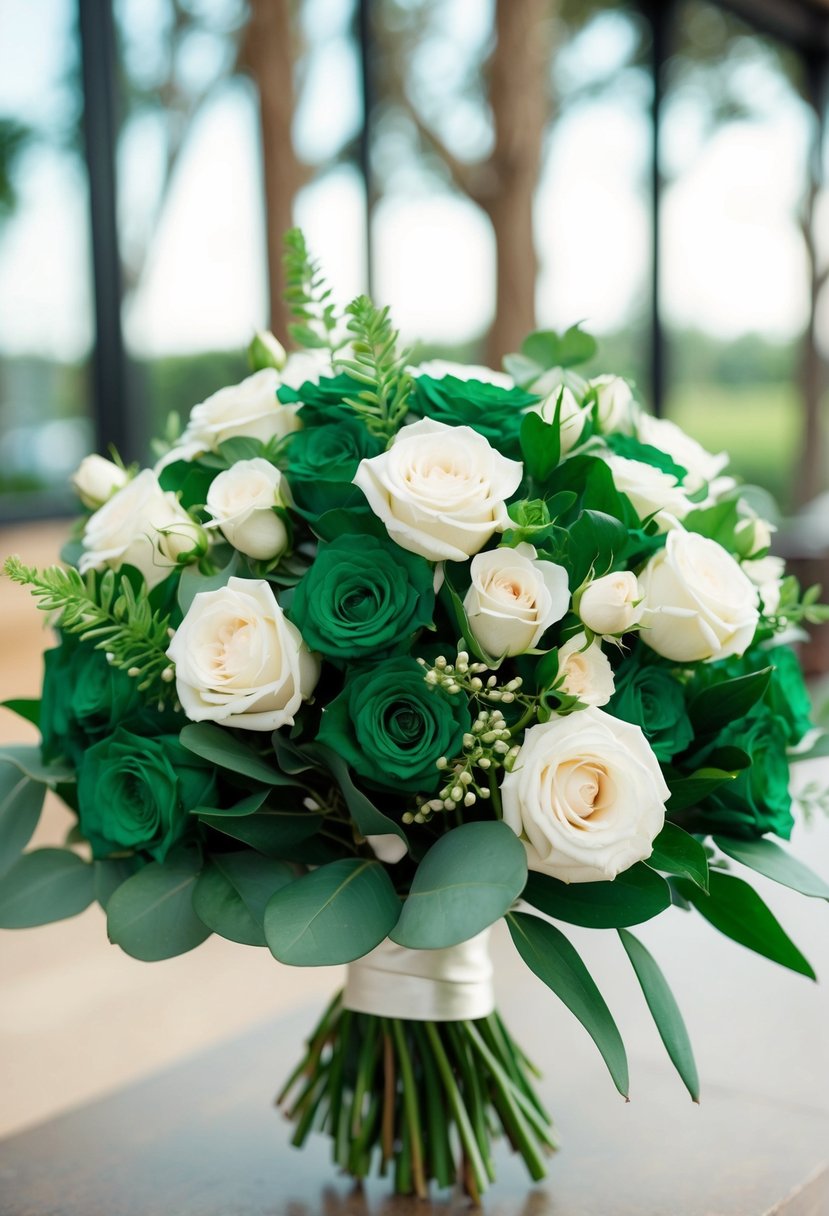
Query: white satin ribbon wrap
451 985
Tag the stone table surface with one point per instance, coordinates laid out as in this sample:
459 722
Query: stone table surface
201 1139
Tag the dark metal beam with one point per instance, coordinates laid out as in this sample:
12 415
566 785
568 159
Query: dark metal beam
803 24
365 36
100 124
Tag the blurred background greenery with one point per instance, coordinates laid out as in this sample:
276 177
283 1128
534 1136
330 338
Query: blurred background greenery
484 166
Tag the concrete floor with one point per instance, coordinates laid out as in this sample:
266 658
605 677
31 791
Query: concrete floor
79 1019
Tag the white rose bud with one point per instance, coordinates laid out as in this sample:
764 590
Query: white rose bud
586 796
572 417
266 351
611 605
440 490
753 535
387 847
241 501
615 406
652 492
141 526
699 605
700 465
96 480
585 671
513 599
240 661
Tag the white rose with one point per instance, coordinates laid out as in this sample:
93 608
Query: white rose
616 409
142 526
586 795
440 490
572 416
96 479
513 599
653 493
700 465
767 574
698 602
241 502
611 605
304 366
250 409
438 368
239 660
585 672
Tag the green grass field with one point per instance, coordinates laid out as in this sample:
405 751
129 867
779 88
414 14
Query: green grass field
759 426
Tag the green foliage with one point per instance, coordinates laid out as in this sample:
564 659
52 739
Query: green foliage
546 350
369 819
384 402
232 892
727 700
634 896
335 914
541 444
677 852
106 610
767 858
45 885
735 908
549 954
272 831
21 801
226 751
151 916
664 1010
308 296
468 880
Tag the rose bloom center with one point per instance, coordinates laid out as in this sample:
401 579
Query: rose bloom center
510 591
580 790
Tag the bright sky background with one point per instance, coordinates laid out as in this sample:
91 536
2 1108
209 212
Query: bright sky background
733 256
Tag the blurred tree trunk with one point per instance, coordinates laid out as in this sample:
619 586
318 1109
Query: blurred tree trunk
519 98
810 477
268 53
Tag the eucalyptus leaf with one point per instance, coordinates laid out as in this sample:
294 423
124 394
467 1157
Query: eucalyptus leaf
110 873
770 860
555 961
192 583
467 881
247 806
21 801
270 831
676 851
664 1010
634 896
333 915
369 820
151 915
219 746
232 892
735 908
43 886
27 758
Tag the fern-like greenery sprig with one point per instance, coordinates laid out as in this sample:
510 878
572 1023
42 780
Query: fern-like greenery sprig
106 610
308 296
384 402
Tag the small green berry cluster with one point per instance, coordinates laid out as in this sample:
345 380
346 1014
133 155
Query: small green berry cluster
463 676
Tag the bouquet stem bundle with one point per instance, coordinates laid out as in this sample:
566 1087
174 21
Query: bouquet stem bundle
422 1099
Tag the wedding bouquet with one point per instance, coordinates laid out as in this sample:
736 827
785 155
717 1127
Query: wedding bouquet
379 654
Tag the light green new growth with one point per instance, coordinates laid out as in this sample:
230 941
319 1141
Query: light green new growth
308 297
134 637
383 403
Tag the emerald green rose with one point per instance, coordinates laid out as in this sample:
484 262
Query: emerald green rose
786 696
322 402
392 727
490 409
650 697
136 793
84 699
363 597
322 461
757 800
